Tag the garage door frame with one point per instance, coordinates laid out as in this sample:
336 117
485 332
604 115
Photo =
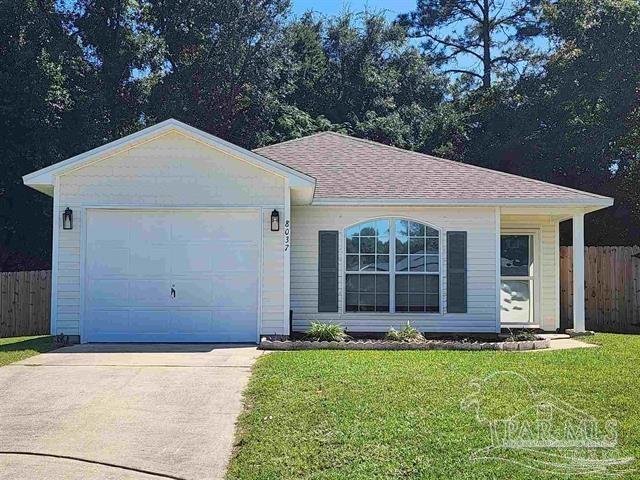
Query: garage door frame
133 208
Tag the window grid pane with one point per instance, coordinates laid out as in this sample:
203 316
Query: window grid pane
367 293
415 262
417 293
417 248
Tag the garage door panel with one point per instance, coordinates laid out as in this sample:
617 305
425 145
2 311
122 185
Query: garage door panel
193 292
188 322
142 322
108 226
108 293
237 257
151 227
196 226
235 323
149 261
149 292
108 321
235 291
211 258
107 260
189 258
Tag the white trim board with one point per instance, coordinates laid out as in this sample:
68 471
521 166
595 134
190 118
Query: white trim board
467 202
83 249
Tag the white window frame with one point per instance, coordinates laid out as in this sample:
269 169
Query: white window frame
392 268
533 277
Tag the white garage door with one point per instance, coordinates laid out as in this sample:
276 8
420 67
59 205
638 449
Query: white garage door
172 276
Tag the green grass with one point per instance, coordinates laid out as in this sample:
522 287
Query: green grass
366 415
14 349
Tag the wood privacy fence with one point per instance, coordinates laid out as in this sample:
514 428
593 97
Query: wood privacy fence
25 303
612 288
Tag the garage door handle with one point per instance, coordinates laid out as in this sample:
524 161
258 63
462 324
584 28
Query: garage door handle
173 292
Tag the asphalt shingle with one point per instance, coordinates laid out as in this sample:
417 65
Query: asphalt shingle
351 168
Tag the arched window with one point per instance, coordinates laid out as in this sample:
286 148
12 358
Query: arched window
399 275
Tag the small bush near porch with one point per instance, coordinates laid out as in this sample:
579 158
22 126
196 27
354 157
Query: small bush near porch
340 414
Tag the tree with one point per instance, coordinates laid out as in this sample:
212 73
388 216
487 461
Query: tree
117 52
36 72
477 38
358 73
575 122
221 59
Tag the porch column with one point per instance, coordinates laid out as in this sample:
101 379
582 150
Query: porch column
578 272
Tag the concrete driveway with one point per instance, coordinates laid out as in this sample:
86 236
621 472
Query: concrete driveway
122 411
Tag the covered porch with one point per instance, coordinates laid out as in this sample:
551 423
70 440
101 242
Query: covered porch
528 266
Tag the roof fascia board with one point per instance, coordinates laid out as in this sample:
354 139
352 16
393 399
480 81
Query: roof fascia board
596 203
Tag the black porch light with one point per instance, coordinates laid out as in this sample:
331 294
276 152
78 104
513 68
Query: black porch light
67 219
275 221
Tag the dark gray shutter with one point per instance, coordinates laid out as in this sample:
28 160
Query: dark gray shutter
328 271
456 272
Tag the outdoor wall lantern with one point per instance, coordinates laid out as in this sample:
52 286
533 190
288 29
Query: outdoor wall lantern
67 219
275 221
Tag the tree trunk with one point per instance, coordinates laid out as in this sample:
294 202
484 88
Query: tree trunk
486 44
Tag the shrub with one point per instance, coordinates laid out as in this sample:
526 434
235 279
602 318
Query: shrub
326 332
407 334
522 336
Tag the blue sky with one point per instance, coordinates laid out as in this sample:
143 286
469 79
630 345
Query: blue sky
331 7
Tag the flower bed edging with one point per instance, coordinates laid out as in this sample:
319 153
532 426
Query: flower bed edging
267 344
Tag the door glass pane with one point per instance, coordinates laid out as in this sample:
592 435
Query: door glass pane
515 301
516 255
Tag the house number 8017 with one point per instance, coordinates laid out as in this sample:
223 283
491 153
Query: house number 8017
287 237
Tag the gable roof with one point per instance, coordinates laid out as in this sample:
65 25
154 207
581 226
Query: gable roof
43 179
350 170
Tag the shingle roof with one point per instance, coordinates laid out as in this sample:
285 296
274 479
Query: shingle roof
351 168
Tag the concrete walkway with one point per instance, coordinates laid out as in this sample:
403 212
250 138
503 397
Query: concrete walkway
122 411
561 341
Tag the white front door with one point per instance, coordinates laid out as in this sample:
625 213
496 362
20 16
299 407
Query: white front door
172 276
518 279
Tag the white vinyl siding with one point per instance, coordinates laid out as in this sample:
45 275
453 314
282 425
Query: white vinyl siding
478 222
172 170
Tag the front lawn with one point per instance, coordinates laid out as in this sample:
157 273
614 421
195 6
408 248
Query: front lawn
13 349
355 414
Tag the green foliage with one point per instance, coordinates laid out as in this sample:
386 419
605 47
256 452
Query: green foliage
382 415
478 40
406 334
14 349
523 335
75 75
326 332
